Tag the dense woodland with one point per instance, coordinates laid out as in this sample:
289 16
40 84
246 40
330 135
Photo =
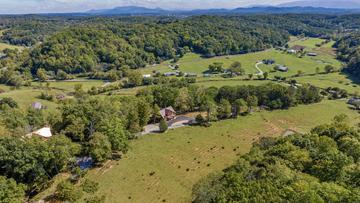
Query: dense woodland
321 166
349 51
97 44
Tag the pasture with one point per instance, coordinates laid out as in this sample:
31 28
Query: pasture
25 96
194 63
164 167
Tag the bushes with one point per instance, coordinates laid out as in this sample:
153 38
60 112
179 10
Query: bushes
163 126
66 191
10 191
90 186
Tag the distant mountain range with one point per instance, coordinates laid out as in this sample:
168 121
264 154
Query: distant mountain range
285 8
339 4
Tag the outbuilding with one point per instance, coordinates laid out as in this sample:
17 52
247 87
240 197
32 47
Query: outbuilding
37 105
282 68
312 54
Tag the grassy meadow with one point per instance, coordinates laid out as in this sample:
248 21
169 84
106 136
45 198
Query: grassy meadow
25 96
194 63
164 167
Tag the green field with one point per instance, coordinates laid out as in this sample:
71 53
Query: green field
9 46
309 43
331 80
183 156
25 96
194 63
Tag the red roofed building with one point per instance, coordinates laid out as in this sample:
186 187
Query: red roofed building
168 113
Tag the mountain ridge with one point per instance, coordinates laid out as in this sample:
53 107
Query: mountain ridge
137 10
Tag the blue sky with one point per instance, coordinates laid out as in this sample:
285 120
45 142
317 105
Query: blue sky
41 6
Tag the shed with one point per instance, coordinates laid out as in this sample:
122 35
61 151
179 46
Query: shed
36 105
312 54
282 68
170 74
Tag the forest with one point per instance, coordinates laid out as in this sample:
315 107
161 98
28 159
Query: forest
98 44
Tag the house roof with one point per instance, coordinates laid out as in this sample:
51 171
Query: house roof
298 47
43 132
283 68
163 111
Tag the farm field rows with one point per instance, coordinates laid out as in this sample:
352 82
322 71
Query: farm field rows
164 167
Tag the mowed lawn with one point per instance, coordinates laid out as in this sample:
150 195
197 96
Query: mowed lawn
164 167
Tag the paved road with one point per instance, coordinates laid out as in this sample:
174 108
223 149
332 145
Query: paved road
178 122
260 72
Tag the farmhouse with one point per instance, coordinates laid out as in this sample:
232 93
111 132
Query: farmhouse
168 113
298 48
43 132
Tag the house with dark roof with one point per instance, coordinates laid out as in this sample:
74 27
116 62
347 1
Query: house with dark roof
168 113
298 48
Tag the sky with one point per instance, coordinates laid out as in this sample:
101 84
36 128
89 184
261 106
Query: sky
63 6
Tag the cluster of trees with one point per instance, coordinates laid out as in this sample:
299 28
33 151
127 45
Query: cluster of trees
349 51
321 166
99 128
228 101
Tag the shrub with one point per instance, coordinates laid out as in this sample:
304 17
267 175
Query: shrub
163 126
95 199
90 186
65 191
